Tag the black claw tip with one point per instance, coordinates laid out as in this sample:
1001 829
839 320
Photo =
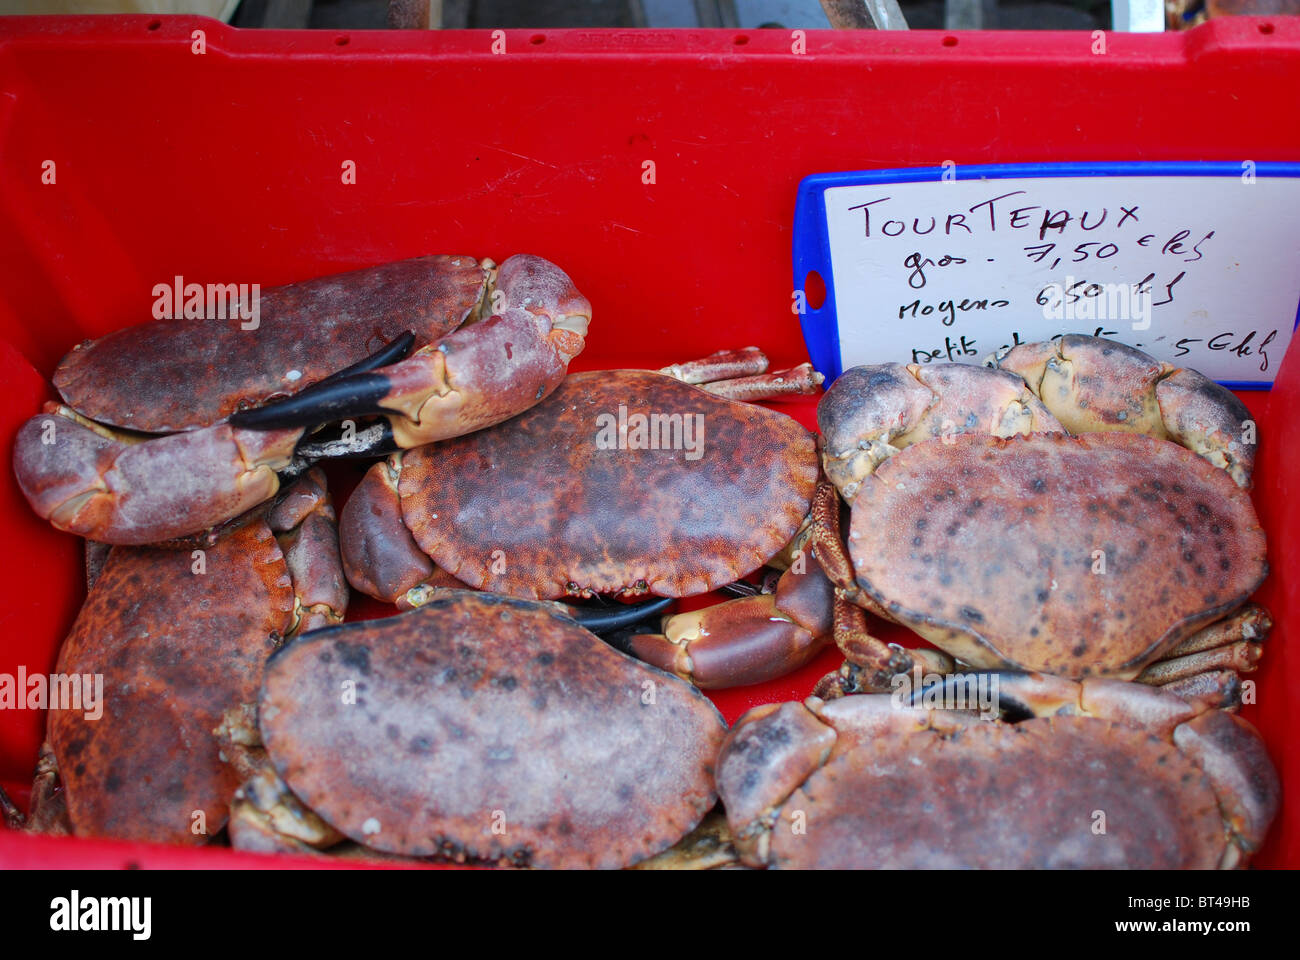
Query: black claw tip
356 396
605 619
354 391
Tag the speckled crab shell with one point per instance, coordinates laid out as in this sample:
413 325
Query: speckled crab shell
921 801
1075 556
541 507
490 729
175 650
873 781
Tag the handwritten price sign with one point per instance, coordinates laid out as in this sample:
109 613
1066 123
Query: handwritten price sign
1197 264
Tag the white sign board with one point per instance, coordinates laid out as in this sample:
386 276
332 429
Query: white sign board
1201 271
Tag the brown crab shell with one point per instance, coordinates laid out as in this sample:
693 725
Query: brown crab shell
490 729
537 507
988 548
995 796
182 374
176 649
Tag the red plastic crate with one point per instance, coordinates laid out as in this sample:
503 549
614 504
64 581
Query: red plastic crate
227 165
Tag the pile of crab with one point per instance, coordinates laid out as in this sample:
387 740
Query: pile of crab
1069 526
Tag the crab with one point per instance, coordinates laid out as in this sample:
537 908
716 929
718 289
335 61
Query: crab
567 500
1121 775
1101 554
176 639
477 728
214 413
982 523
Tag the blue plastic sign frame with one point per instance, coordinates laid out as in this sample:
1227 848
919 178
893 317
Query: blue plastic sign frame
812 243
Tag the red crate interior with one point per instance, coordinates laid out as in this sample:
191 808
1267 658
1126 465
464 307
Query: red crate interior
226 165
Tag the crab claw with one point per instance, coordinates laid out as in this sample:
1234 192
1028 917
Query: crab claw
1209 420
478 376
125 488
344 392
767 754
1092 384
305 527
872 412
748 640
120 489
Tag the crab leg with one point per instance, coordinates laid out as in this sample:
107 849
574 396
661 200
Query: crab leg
802 379
305 528
1242 656
870 663
1205 666
723 365
14 818
96 557
1222 688
1233 645
49 806
266 817
742 375
48 809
